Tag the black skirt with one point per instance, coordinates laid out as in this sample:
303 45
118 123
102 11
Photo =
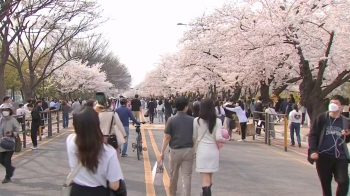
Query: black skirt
79 190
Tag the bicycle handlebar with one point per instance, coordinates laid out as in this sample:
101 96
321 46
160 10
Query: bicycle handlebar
138 125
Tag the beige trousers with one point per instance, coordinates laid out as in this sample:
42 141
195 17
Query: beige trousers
181 158
137 115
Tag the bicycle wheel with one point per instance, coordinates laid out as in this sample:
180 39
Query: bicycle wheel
138 144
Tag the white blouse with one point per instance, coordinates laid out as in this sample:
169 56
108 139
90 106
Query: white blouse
241 114
108 166
200 127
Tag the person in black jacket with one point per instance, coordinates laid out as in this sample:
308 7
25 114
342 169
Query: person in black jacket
259 116
167 110
328 138
230 121
36 123
151 106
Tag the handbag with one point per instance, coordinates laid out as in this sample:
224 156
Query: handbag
18 144
67 186
198 141
146 114
7 143
120 137
121 190
218 144
112 138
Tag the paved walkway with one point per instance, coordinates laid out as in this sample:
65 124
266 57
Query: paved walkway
246 169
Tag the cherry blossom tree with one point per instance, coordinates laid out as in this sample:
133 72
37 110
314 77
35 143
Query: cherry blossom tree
76 76
274 43
319 33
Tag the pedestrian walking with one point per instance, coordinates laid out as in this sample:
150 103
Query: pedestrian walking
125 115
328 140
97 162
179 136
207 132
9 129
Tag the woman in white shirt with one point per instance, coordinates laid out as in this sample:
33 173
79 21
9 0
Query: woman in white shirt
99 160
295 118
207 131
242 117
160 111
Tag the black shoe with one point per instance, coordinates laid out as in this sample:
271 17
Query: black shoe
299 145
124 155
6 181
206 191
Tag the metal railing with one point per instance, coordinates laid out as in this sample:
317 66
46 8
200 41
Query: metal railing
268 122
50 120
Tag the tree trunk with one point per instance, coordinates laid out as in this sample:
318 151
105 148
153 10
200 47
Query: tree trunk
2 82
236 93
311 99
279 90
264 92
27 93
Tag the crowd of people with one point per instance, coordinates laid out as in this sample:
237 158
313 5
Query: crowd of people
194 132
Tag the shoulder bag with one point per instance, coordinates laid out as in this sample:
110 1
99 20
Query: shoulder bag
121 190
112 138
198 141
18 144
7 143
218 144
67 186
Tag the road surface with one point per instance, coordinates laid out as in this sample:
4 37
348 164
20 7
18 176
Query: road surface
246 169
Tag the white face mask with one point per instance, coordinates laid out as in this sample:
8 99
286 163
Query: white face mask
5 113
333 107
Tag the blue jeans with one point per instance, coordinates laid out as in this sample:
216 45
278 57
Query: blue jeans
65 120
125 146
295 127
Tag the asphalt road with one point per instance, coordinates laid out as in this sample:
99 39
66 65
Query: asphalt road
246 169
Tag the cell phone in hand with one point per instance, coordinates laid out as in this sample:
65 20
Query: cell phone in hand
101 98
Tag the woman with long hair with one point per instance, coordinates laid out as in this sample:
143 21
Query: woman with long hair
207 132
99 160
220 112
196 109
242 117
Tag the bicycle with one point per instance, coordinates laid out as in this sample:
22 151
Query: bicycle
28 127
138 145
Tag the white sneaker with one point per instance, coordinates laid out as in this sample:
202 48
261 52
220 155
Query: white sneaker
240 140
34 148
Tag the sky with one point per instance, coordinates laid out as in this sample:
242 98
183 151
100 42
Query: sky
140 31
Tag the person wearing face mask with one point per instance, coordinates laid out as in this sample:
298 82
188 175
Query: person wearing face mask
329 134
9 127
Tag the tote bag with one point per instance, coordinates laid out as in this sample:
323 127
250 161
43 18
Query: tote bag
67 186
